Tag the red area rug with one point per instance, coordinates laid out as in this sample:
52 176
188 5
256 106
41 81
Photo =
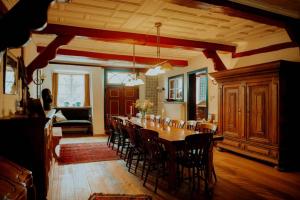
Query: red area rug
100 196
85 152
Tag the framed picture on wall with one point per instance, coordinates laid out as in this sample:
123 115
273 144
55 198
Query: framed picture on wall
10 73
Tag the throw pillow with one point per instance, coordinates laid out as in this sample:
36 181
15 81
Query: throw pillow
60 117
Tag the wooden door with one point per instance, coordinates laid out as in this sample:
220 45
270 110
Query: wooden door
232 113
118 100
258 112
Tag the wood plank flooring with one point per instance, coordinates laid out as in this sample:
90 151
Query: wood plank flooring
238 178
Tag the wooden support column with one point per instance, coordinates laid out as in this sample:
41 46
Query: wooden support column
218 63
47 54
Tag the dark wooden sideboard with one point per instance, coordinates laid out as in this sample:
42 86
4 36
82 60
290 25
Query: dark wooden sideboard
258 109
27 142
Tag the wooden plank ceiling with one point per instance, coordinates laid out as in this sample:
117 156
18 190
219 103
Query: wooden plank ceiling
205 23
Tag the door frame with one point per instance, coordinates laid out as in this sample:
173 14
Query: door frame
205 71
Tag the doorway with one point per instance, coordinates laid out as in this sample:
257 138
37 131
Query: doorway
119 99
197 102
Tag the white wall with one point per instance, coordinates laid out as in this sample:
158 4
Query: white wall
96 89
30 53
195 63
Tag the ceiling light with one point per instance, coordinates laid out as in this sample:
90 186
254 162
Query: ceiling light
160 67
133 80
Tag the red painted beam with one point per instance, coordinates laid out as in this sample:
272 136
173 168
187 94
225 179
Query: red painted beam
47 54
270 48
104 56
143 70
135 38
218 63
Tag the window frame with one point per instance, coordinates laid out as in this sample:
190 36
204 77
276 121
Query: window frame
174 78
115 70
70 74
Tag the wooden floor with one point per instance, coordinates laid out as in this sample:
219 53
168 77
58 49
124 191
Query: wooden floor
238 178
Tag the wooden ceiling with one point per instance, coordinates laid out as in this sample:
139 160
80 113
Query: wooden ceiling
181 19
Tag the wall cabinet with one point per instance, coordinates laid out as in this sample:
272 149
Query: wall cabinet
256 109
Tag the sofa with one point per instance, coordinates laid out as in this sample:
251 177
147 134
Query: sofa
74 119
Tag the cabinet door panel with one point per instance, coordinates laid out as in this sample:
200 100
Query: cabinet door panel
231 109
258 112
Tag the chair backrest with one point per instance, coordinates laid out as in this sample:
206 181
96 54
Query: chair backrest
150 143
167 121
181 124
196 148
174 123
191 124
208 128
157 118
152 117
133 139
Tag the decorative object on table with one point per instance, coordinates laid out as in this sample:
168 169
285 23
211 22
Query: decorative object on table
143 106
100 196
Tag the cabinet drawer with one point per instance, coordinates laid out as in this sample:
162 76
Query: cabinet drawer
258 150
231 143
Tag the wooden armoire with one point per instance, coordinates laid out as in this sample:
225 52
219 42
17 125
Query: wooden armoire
259 112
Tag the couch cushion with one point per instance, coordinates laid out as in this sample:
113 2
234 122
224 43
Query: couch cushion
59 117
73 123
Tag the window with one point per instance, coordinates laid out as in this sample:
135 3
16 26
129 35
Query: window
117 77
10 74
176 88
71 90
201 89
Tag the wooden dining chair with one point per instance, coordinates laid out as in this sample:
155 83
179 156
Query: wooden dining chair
196 158
135 150
157 118
181 124
152 117
191 124
211 128
174 123
155 157
167 121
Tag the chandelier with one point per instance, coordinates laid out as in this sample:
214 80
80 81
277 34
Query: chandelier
133 80
160 67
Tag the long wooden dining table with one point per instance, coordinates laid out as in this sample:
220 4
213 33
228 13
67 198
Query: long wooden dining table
173 140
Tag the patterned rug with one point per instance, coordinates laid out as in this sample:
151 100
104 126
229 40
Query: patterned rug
100 196
85 152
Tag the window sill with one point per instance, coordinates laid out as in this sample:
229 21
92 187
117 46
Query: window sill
174 102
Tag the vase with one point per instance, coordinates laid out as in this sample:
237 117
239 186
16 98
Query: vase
143 114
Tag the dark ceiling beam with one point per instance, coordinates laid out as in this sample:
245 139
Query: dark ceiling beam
135 38
240 10
143 70
47 54
218 63
18 22
3 8
105 56
266 49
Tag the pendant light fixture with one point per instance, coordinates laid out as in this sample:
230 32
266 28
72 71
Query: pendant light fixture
160 67
133 80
